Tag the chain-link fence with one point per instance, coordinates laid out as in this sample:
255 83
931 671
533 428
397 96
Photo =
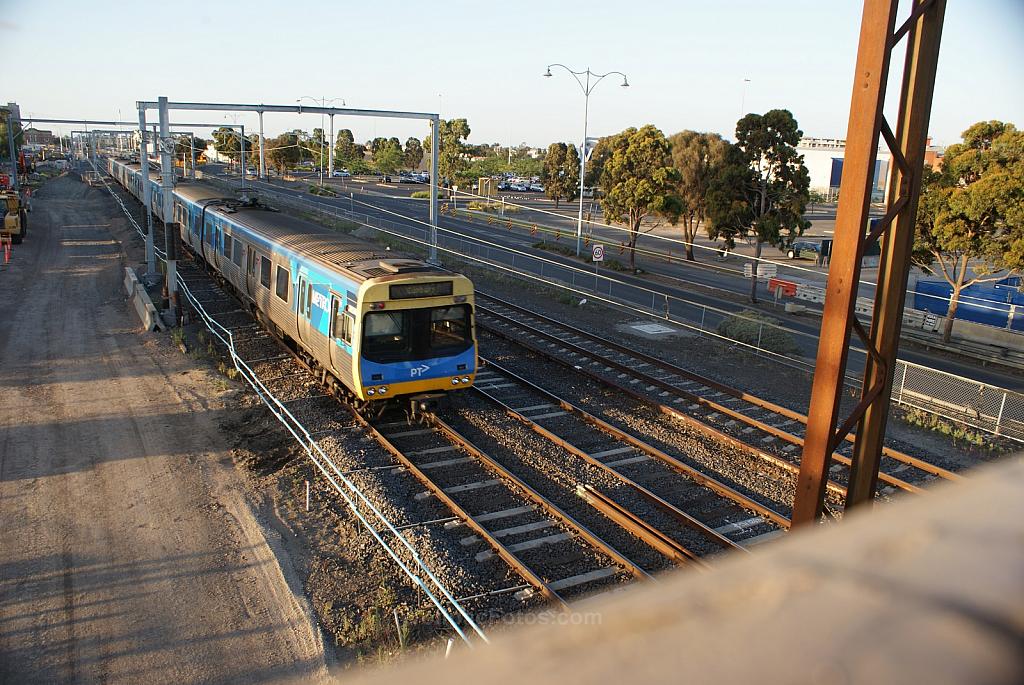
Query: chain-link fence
982 406
987 407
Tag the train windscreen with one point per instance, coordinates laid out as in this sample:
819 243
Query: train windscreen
416 333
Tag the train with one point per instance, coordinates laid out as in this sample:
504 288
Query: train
389 330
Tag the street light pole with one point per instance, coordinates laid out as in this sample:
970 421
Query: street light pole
330 164
743 98
587 87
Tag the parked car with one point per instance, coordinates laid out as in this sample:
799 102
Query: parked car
804 249
536 187
341 173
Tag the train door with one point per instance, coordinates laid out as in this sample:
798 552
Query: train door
304 308
339 360
250 271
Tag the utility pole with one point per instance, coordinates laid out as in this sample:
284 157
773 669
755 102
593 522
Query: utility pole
147 201
263 159
435 136
167 188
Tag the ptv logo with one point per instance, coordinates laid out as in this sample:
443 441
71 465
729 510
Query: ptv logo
418 371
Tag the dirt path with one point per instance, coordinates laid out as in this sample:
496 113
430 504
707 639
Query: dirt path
128 553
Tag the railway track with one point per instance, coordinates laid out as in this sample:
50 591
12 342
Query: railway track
697 515
490 513
770 431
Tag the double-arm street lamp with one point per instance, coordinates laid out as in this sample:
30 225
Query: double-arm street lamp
323 102
588 80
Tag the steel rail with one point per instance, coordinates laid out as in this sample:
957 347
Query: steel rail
649 534
668 387
690 421
502 551
619 435
546 504
749 398
701 478
328 468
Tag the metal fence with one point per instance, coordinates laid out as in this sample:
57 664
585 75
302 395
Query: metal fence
985 407
377 524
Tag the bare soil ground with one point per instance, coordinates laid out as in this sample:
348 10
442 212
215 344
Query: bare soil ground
129 552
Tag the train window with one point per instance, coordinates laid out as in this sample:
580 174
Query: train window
236 252
449 326
336 319
309 301
416 333
283 283
347 324
226 246
384 336
302 297
265 272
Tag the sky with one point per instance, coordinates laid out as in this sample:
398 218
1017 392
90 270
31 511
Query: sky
687 62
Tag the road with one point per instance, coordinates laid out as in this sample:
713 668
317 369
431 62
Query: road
129 553
699 284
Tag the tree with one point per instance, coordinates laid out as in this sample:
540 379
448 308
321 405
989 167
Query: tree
970 219
697 157
451 159
318 148
283 152
561 172
761 190
345 147
227 141
637 179
413 152
388 155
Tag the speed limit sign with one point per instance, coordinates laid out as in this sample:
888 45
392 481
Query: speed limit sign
598 253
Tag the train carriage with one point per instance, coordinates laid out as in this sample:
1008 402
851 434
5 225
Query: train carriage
389 329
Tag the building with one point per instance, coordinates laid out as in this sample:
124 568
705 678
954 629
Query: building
823 158
34 136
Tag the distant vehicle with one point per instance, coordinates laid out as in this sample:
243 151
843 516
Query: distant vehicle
341 173
384 178
536 187
804 248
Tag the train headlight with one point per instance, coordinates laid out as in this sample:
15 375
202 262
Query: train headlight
383 390
371 392
455 381
465 379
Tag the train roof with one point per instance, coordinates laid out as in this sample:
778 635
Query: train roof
333 249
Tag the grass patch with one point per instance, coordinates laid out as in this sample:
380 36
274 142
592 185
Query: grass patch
420 195
569 250
759 330
492 207
958 432
323 191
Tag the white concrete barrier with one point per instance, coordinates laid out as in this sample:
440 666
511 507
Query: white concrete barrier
140 301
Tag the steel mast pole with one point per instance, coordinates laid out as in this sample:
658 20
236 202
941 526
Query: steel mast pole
146 200
923 30
435 135
167 190
263 159
583 162
192 146
12 150
330 148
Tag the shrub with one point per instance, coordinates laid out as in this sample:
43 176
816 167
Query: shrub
759 330
420 195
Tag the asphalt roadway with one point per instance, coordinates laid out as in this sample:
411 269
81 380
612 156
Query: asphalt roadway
700 283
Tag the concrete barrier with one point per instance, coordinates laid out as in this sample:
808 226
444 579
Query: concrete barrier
140 301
